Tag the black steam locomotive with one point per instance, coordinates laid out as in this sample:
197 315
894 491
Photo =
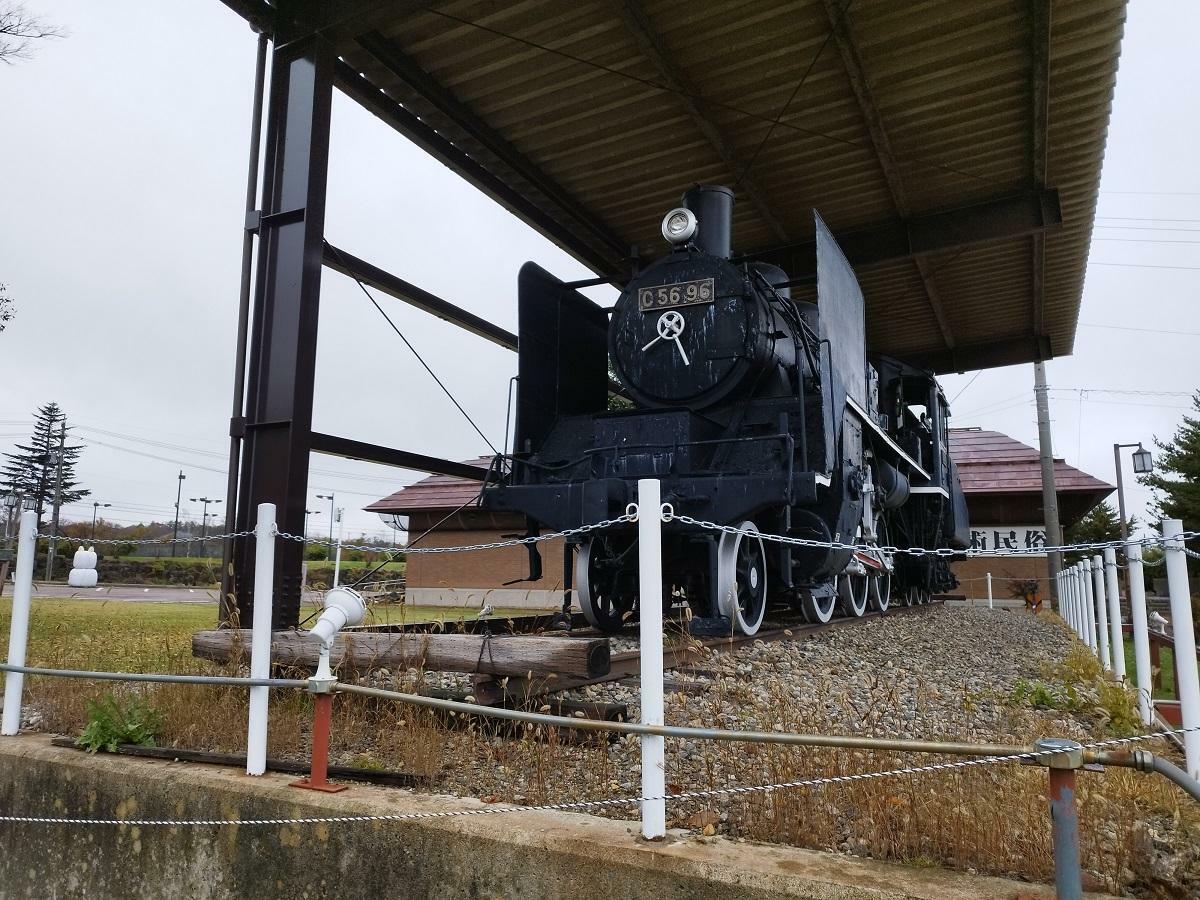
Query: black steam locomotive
754 409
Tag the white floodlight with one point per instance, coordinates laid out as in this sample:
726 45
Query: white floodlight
679 225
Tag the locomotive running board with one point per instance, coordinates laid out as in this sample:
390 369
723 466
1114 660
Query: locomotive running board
870 423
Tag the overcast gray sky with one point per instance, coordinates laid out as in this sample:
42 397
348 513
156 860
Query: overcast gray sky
124 158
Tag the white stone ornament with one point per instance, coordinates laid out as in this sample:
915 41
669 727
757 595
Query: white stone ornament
83 569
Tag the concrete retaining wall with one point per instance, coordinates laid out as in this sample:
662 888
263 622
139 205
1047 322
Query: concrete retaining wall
522 855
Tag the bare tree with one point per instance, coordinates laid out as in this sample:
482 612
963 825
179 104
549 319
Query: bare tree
19 29
7 310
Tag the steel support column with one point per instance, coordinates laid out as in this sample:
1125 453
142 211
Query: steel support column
279 395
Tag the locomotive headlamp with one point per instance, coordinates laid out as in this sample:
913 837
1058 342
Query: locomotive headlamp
679 226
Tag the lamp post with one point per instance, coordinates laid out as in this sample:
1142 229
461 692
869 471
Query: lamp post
329 497
1143 464
204 521
175 532
96 504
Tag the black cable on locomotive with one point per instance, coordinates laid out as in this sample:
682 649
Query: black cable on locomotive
754 409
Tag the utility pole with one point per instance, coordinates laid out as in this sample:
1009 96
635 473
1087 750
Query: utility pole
178 497
1049 493
62 444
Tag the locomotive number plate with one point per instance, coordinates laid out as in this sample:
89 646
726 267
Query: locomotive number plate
683 293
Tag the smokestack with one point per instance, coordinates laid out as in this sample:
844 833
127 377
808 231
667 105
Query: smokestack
713 206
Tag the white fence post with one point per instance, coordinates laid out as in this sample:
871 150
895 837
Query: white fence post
18 629
1141 635
1097 573
1187 685
654 774
1114 613
260 638
1085 581
1077 607
989 585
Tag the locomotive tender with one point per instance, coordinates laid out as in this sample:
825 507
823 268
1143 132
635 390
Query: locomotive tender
754 409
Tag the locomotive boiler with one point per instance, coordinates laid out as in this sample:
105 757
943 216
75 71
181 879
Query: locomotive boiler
752 398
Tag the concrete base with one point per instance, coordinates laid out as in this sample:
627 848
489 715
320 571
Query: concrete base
524 855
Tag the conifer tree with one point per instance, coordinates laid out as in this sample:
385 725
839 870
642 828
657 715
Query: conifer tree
1176 476
31 470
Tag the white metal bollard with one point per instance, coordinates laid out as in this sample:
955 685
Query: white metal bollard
1097 573
1141 635
1187 684
1114 613
260 638
1085 582
18 629
989 587
654 772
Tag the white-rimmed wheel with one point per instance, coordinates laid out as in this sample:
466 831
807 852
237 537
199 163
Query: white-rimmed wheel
606 579
818 610
852 594
880 596
913 597
742 578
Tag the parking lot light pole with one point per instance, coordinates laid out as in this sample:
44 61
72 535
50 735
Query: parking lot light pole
332 515
96 505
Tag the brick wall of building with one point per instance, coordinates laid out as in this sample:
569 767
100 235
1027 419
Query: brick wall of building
972 574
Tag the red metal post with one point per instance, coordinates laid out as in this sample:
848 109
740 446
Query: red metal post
317 779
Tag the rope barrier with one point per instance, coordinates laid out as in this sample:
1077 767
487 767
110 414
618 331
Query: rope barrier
737 790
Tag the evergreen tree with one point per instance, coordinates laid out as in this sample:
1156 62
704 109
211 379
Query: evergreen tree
1176 476
32 472
1098 526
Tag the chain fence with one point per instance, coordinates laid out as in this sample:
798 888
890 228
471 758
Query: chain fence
668 515
609 803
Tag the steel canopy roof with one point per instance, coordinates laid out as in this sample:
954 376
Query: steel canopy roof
954 147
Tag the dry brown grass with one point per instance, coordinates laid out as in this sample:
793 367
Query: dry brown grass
991 818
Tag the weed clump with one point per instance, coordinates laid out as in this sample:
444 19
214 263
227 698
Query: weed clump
110 724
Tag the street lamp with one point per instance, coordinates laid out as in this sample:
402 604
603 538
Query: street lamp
1143 464
178 495
204 521
329 497
96 504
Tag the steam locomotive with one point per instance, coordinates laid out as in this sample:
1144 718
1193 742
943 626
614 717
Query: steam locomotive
755 409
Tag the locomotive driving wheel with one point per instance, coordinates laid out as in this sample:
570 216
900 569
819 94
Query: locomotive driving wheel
742 578
853 588
606 578
881 585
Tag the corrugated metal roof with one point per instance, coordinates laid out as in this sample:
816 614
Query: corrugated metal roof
596 115
993 463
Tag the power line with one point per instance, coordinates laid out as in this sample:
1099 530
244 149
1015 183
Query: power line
1147 240
1142 266
1132 328
412 349
1141 219
964 390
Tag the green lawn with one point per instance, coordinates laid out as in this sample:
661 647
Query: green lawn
1166 661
